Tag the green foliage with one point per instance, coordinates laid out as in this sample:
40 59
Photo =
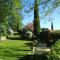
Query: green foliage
55 52
46 7
4 10
3 31
10 10
15 16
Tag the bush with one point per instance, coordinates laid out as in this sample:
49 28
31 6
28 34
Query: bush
26 34
49 37
3 31
29 34
56 34
55 52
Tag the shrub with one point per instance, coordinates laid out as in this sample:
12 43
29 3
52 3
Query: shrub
3 31
55 52
29 34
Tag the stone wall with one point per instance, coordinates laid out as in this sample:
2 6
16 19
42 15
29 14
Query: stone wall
3 38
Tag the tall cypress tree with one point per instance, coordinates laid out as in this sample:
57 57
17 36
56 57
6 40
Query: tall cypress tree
36 21
51 25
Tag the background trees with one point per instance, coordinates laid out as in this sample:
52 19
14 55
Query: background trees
10 10
16 15
4 10
29 27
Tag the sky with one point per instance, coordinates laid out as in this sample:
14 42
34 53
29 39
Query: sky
44 23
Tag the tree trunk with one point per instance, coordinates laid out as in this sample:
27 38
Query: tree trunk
36 21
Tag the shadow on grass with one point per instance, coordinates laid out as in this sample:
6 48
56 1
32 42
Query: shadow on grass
18 38
22 50
34 57
26 58
13 38
29 44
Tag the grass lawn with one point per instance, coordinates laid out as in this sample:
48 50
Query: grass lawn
13 49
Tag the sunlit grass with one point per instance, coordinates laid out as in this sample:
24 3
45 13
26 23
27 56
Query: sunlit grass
12 49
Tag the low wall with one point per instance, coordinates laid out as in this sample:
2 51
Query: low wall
3 38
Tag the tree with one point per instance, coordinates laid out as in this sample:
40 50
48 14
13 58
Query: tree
4 10
51 25
36 19
15 15
9 9
47 7
29 27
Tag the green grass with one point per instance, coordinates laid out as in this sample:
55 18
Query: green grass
12 49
